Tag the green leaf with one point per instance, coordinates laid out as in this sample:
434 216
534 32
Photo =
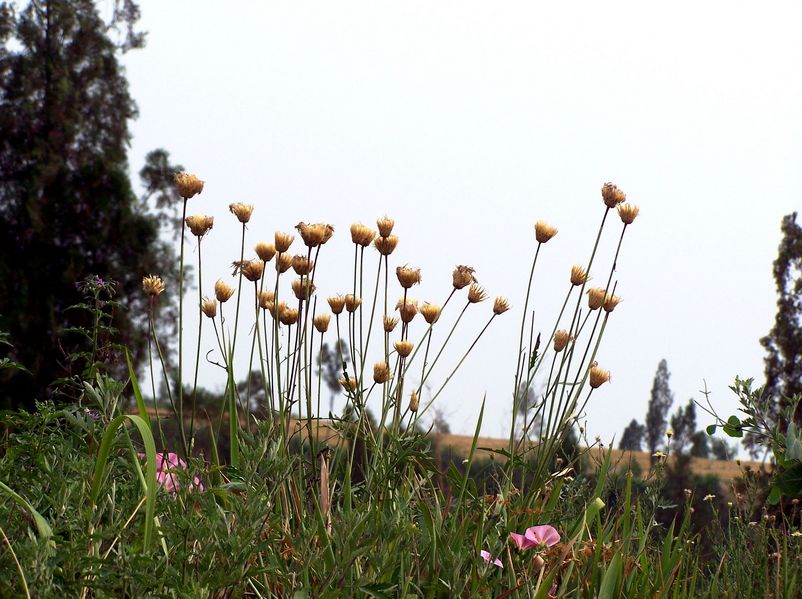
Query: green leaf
711 430
774 495
42 527
609 583
793 445
790 481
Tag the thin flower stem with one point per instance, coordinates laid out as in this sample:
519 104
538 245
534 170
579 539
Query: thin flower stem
180 413
197 353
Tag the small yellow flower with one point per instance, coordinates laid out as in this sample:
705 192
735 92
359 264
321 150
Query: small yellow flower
241 211
336 303
200 224
500 305
404 348
408 276
153 285
598 377
544 231
612 196
628 213
321 322
596 297
222 291
283 241
386 245
710 497
385 226
209 307
669 433
265 251
578 275
430 312
188 185
476 294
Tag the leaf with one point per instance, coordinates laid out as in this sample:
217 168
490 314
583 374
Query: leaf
733 427
711 430
793 445
610 581
42 527
790 481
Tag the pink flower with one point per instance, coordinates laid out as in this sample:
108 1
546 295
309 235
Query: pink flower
489 558
166 466
536 536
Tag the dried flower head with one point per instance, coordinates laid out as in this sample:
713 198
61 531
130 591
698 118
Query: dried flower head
407 309
430 312
385 226
289 316
303 288
349 384
610 302
200 224
315 235
283 241
628 213
265 251
321 322
153 285
283 262
462 276
336 303
386 245
598 376
544 231
188 185
302 265
266 299
561 339
241 211
612 196
578 275
352 302
500 305
408 276
414 402
596 297
381 373
404 347
209 307
362 235
223 291
253 269
476 294
389 324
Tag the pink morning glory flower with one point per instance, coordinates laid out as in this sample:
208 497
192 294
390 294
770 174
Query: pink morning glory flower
489 558
536 536
166 465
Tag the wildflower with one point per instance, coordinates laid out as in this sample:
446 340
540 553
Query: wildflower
390 324
598 377
544 231
289 316
408 276
386 245
166 467
414 402
476 294
500 306
336 303
669 433
315 235
658 454
578 275
612 196
265 251
688 493
349 384
283 263
796 533
407 309
283 241
404 348
729 504
241 211
253 269
610 302
489 558
362 235
321 322
596 297
276 310
188 185
266 299
709 497
199 224
381 373
209 307
302 288
628 213
430 312
462 276
385 226
153 285
561 339
302 265
352 302
536 536
222 291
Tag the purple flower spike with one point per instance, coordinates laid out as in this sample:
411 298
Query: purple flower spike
489 558
536 536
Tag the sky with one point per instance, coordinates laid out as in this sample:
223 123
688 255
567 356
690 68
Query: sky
468 121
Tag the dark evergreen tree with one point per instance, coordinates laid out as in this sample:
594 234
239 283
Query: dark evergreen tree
700 446
659 403
632 439
330 367
67 208
683 427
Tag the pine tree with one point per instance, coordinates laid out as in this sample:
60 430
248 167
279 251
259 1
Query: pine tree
659 403
683 427
632 439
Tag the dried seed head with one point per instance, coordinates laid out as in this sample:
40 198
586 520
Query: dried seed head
476 294
289 316
381 373
500 305
336 303
362 235
628 213
385 226
222 291
596 297
352 302
612 196
200 224
598 376
407 309
253 269
321 322
578 275
462 276
350 384
544 232
241 211
266 299
610 302
430 312
302 265
303 288
414 402
188 185
283 262
404 348
283 241
390 324
386 245
315 235
265 251
408 276
276 310
561 339
209 307
153 285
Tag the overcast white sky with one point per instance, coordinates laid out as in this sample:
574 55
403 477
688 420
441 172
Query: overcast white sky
467 122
